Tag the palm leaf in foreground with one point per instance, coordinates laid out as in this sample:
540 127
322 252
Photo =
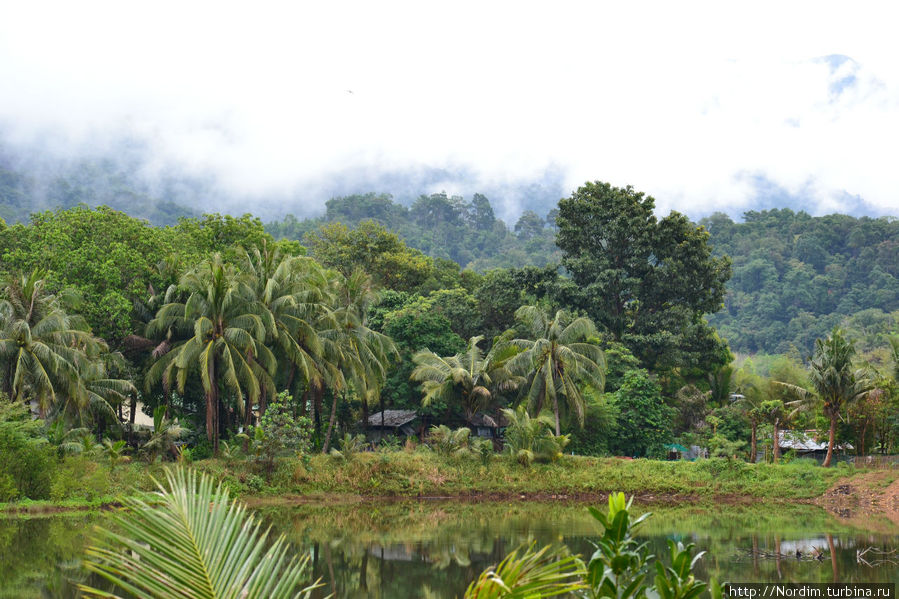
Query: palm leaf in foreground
535 573
196 542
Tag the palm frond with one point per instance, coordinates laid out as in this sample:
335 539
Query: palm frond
194 542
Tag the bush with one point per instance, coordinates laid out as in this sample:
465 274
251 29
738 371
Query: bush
28 459
79 477
279 432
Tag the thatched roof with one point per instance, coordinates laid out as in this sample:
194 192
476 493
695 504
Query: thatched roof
488 421
392 418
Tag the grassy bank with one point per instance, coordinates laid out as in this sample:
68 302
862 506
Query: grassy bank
83 483
427 475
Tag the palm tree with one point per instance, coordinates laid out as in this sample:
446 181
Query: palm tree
293 294
753 391
227 339
834 381
42 348
194 540
354 355
466 377
557 360
527 438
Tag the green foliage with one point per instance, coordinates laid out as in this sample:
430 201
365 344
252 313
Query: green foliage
644 420
646 281
374 249
528 439
113 451
530 573
279 432
466 379
28 462
445 227
349 446
600 422
79 478
797 276
194 537
483 448
105 255
446 441
556 360
619 568
166 432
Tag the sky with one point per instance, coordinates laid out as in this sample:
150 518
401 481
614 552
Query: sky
706 106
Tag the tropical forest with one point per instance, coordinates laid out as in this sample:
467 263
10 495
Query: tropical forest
432 350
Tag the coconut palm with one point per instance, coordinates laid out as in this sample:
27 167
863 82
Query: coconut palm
42 347
293 294
193 540
227 338
835 382
530 438
466 377
557 360
354 355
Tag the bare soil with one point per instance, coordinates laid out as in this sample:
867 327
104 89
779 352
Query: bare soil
863 496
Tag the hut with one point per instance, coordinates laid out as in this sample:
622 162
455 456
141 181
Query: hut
391 423
486 426
806 444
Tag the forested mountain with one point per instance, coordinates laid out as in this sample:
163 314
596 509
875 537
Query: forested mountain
443 227
94 183
795 276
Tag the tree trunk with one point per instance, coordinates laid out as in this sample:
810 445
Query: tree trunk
556 410
317 410
327 443
212 410
830 441
132 408
776 442
753 443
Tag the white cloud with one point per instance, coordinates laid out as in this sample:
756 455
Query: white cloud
678 99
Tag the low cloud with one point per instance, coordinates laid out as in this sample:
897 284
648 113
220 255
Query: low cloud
273 110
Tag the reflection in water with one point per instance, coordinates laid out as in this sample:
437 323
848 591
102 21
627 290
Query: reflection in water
432 550
435 549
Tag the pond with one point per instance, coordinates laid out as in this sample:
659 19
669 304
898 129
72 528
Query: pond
434 549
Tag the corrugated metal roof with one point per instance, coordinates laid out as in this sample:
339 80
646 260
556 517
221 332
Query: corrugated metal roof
805 441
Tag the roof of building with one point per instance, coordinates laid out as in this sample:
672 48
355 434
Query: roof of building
488 421
392 418
805 441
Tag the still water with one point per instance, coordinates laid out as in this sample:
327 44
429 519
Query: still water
433 549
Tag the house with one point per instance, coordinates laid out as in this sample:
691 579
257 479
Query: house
486 426
391 423
806 444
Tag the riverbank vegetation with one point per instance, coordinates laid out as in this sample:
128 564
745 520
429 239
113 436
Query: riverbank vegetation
263 364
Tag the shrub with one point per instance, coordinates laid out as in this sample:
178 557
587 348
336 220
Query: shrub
79 477
446 441
28 459
349 445
279 432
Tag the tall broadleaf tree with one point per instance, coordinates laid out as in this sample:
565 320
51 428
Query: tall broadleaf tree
557 360
227 336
